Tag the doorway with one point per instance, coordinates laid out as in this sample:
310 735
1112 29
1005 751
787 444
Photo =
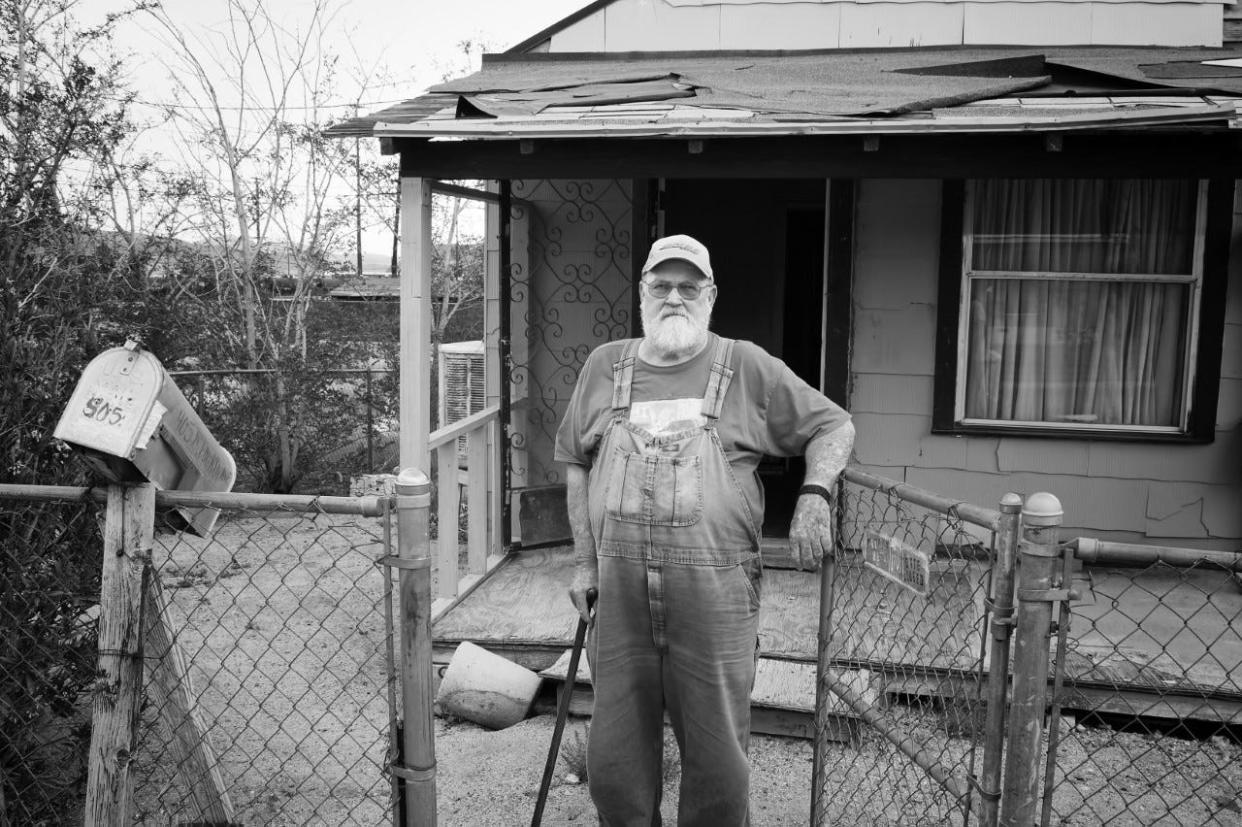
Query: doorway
767 239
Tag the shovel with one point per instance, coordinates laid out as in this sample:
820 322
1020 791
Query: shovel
562 712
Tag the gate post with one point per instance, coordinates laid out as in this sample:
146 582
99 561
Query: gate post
129 535
1038 561
998 667
418 769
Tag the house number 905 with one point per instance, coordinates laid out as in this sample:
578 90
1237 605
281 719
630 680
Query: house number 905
98 409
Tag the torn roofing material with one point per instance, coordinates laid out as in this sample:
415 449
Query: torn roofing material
823 85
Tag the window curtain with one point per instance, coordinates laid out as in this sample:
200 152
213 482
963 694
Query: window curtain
1049 349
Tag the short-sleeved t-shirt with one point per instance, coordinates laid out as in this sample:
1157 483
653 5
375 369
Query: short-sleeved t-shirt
768 408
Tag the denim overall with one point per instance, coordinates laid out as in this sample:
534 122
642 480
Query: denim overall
677 617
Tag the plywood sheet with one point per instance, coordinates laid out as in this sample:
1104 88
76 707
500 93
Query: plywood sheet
587 35
779 684
641 25
1047 24
798 26
524 601
1166 24
877 621
1160 627
900 24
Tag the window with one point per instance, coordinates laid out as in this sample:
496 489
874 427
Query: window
1076 307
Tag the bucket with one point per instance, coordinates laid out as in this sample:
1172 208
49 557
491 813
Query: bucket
485 688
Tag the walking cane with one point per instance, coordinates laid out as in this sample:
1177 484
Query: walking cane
562 712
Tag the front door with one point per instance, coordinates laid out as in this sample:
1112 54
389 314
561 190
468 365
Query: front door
767 239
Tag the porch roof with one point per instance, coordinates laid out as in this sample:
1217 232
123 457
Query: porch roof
955 89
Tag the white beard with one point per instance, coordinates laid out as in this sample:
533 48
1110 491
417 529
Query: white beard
675 335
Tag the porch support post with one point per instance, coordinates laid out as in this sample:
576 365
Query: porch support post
1038 561
506 366
415 393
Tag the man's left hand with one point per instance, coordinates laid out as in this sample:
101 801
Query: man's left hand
810 532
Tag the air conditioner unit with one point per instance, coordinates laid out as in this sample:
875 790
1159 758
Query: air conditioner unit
462 390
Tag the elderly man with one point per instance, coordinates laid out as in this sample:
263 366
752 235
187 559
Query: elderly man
662 440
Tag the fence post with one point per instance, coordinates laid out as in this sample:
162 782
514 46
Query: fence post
414 561
129 534
1038 560
998 666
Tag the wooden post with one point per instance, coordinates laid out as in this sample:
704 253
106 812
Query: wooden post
172 690
449 502
414 563
128 537
415 323
476 498
1038 560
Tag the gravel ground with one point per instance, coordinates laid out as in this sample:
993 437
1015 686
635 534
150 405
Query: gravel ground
492 778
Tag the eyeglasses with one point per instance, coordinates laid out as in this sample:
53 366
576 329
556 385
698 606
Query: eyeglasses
688 290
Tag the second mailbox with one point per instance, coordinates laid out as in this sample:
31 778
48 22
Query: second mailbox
134 425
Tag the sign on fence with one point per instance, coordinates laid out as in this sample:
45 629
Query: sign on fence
901 563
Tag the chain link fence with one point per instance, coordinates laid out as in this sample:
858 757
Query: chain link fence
1146 724
905 653
268 690
49 601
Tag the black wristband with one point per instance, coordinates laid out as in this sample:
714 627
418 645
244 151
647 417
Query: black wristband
816 489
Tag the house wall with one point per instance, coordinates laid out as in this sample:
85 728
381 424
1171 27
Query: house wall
1177 495
655 25
576 295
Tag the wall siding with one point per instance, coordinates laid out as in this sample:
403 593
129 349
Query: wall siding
1172 494
656 25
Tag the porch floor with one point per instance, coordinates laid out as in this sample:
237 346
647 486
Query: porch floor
1146 661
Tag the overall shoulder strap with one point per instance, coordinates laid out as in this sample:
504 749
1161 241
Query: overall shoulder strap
718 382
623 375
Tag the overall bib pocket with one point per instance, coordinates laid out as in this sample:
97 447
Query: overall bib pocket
654 490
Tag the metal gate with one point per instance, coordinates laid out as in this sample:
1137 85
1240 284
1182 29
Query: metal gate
905 638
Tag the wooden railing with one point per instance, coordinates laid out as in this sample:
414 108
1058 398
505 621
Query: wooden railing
481 488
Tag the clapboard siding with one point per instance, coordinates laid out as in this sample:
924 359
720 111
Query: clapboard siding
661 25
1129 491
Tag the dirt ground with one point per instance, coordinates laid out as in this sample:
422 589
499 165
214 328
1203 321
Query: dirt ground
492 778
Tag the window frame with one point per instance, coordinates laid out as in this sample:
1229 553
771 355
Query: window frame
1206 302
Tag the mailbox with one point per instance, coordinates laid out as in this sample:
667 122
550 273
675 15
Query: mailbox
132 424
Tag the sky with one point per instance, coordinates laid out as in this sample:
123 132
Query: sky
390 51
416 40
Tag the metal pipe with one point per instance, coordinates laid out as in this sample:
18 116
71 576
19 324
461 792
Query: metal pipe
362 506
998 668
969 512
1105 553
418 769
1038 559
828 569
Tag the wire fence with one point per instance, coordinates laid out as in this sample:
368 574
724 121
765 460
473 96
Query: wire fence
1145 727
268 668
49 600
904 651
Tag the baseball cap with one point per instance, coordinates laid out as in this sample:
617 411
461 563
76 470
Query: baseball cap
680 247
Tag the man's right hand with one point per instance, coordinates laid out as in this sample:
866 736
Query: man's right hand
586 578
